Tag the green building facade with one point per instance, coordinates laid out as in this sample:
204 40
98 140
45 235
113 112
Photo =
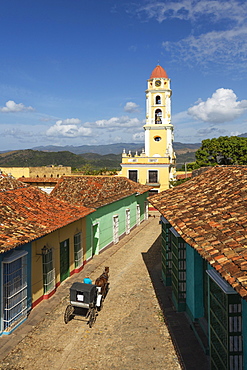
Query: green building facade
109 223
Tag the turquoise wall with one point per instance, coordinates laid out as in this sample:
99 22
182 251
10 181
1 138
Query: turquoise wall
194 283
244 328
104 217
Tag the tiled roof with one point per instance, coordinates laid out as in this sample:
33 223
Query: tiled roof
27 213
9 182
38 179
158 72
96 191
210 214
183 176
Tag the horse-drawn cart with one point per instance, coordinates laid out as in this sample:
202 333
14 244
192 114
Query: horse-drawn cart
87 299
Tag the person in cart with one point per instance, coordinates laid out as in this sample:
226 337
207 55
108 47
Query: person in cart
87 280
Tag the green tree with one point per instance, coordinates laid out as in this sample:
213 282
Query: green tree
222 151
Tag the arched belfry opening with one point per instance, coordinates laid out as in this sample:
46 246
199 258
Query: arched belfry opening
158 99
158 116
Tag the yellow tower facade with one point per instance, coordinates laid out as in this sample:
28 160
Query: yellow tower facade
155 166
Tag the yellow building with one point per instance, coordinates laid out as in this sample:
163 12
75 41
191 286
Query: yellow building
155 166
36 172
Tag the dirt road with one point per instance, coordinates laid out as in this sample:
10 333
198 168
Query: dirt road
129 332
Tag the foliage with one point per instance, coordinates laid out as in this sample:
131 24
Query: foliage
178 182
189 167
183 158
222 151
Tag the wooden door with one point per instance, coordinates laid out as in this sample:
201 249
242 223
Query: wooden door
64 260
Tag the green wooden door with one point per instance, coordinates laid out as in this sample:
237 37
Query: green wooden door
64 260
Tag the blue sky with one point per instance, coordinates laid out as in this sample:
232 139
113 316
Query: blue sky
74 72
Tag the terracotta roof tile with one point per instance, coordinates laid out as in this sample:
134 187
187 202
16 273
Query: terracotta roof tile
210 213
27 213
96 191
38 179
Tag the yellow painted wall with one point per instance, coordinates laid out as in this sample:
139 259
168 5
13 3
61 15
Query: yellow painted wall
44 171
163 175
16 171
157 147
53 240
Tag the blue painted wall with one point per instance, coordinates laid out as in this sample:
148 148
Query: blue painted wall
194 283
26 247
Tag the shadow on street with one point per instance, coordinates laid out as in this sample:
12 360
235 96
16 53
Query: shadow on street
189 351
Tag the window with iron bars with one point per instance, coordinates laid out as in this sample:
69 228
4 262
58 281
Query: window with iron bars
14 291
78 250
48 271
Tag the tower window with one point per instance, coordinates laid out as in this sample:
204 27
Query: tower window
133 175
158 116
158 99
157 138
153 176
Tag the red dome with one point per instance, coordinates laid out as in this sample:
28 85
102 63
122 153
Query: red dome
158 72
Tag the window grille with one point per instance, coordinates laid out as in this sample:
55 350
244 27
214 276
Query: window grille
14 290
225 310
78 250
48 271
127 221
166 253
178 269
138 215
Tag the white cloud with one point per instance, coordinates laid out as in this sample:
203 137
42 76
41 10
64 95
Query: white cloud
139 137
221 107
68 128
131 107
12 107
116 122
193 9
220 47
211 131
217 31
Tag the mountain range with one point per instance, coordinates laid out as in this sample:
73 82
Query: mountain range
111 148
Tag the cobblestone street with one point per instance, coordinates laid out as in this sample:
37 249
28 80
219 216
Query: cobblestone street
129 333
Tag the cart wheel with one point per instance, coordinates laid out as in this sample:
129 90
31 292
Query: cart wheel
92 317
68 313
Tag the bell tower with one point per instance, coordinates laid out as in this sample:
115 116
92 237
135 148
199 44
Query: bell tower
155 165
158 127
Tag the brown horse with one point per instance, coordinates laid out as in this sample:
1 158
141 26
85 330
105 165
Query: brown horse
102 282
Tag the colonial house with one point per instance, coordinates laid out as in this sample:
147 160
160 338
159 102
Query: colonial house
42 242
121 205
204 259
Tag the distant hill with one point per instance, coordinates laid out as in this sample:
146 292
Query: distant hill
111 148
36 158
98 149
97 156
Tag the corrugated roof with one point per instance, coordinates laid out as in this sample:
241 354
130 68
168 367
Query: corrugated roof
210 214
27 213
96 191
